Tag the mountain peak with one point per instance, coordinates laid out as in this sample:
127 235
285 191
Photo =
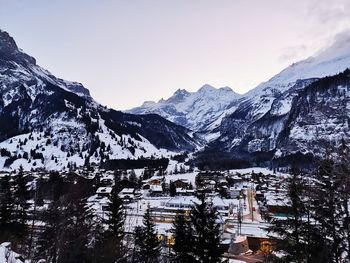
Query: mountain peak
7 43
226 88
10 51
206 88
181 92
24 70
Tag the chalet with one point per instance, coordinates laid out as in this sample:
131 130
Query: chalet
234 179
155 190
276 204
104 191
210 175
184 192
209 179
154 180
184 202
127 194
181 183
106 182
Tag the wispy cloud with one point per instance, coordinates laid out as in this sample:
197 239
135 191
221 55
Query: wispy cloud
330 17
327 23
290 53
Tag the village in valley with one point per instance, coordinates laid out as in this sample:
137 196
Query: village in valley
246 201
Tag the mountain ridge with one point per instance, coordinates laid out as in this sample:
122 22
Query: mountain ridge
255 127
55 124
193 110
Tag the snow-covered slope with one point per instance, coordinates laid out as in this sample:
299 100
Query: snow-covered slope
47 122
255 126
330 61
194 110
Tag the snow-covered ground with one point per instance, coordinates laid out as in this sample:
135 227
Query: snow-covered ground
70 134
9 256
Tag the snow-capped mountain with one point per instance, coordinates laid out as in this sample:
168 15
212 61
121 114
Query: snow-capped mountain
17 67
52 123
330 61
194 110
257 127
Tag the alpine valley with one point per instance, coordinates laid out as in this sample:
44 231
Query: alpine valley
47 122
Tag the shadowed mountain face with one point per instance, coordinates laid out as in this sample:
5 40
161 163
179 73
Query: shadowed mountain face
52 123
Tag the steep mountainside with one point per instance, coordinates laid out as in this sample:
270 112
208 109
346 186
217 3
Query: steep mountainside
257 129
194 110
53 123
319 118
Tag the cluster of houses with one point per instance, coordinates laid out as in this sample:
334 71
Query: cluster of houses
271 193
230 192
224 189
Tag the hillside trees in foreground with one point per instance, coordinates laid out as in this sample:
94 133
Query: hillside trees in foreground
14 197
110 247
147 244
183 240
317 228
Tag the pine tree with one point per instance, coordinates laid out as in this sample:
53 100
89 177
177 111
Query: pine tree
172 189
206 232
298 236
184 239
117 180
48 242
57 186
325 207
66 237
6 209
21 196
146 241
288 233
115 214
133 178
75 234
343 170
111 245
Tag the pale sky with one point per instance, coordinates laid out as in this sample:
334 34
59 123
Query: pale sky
129 51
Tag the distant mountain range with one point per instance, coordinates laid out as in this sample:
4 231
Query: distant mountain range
267 123
47 122
194 110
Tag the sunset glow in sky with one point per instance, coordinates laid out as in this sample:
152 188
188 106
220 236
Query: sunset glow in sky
126 52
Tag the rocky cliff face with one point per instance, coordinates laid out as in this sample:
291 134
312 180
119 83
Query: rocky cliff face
318 119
